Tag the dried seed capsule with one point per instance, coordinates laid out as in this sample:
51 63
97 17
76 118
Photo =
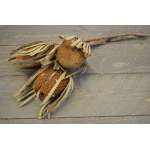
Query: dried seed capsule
32 54
50 86
46 80
72 53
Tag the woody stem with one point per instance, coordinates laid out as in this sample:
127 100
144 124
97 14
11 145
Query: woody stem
116 38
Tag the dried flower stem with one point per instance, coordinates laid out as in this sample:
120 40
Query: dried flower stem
116 38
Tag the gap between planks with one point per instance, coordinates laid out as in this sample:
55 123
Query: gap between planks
80 120
101 74
82 117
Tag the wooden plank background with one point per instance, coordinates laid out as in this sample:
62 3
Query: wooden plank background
115 88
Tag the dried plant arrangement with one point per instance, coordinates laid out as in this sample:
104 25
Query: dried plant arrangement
53 82
51 86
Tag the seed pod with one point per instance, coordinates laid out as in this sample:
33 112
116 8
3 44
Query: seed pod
72 53
31 55
51 86
46 80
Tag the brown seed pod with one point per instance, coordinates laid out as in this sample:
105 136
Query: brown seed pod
31 55
72 53
50 86
46 80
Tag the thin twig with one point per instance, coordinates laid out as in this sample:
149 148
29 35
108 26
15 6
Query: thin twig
116 38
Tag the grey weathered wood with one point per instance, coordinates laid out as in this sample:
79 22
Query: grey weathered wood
8 106
122 57
85 120
109 95
117 82
94 95
20 34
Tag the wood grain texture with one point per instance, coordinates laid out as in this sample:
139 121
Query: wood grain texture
115 89
83 120
12 35
94 95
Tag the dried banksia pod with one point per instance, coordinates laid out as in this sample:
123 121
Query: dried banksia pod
51 86
73 52
31 55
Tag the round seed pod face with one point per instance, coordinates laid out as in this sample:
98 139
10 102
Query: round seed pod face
70 57
46 81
